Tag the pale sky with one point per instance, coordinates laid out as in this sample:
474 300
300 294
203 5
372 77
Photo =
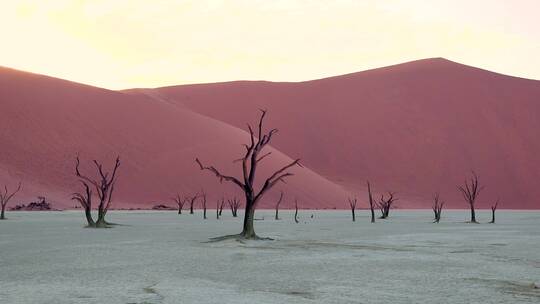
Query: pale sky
120 44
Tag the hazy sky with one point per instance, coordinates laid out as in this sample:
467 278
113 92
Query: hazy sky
131 43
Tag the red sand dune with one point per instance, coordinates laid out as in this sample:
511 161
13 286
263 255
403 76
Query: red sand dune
413 128
46 122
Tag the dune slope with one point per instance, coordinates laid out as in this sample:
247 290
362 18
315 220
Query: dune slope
47 121
414 128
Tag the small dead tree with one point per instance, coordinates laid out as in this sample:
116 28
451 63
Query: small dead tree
371 203
296 211
221 205
5 196
203 199
493 209
234 204
437 207
191 200
386 204
180 202
250 162
277 205
104 186
470 191
352 203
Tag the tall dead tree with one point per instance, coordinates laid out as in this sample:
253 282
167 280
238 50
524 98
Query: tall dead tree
352 203
437 207
250 162
180 202
493 209
470 191
371 203
104 186
203 200
296 211
5 196
277 205
385 204
234 204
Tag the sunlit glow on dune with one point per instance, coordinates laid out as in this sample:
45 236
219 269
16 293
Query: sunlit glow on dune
128 43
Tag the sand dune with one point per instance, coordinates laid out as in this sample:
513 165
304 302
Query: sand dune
46 122
414 128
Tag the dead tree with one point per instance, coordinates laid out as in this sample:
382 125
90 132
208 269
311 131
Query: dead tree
250 162
277 205
493 209
203 198
221 205
234 204
85 199
296 211
386 204
352 203
5 196
191 200
470 191
180 202
104 186
437 207
371 203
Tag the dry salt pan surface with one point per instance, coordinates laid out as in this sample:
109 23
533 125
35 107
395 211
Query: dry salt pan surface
162 257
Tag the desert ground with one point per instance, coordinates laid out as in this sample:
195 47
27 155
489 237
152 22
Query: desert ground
162 257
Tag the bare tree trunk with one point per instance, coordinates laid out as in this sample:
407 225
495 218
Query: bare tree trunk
296 211
221 204
277 205
437 207
89 219
473 215
3 213
371 203
493 209
203 197
248 230
101 223
179 202
352 203
234 204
